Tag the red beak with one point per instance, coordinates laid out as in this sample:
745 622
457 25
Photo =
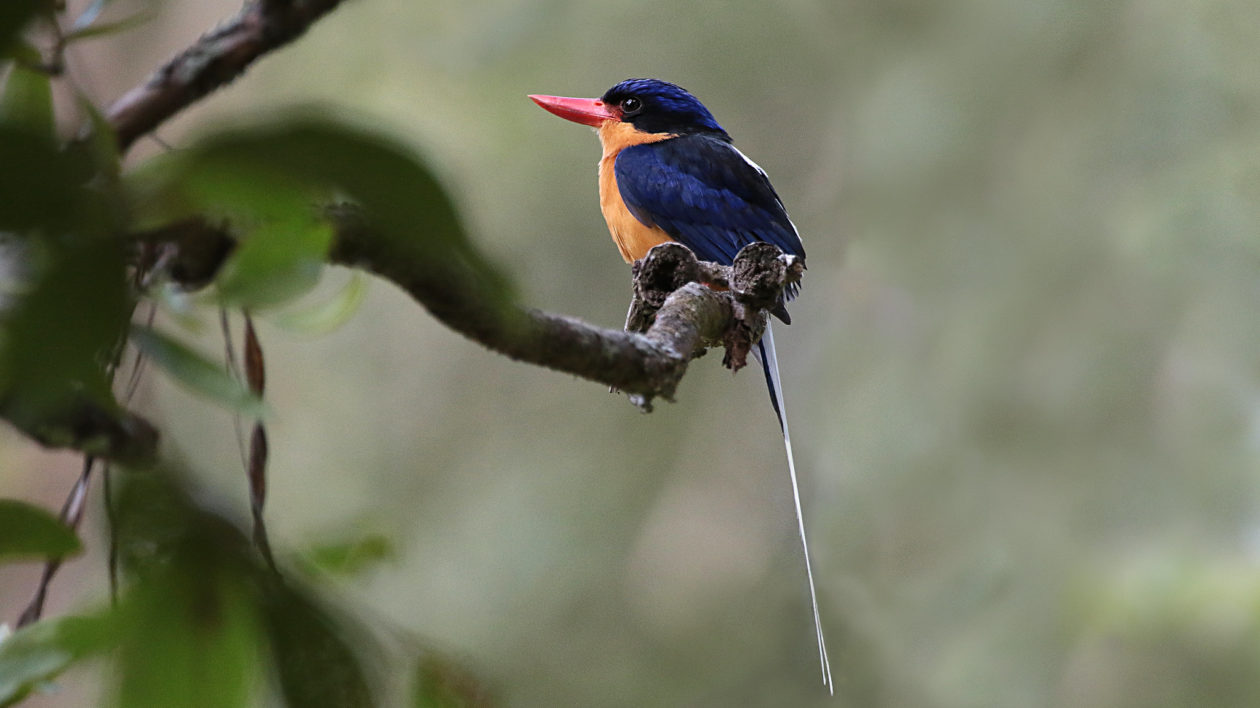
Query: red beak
587 111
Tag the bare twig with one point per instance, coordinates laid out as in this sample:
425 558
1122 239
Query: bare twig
111 520
256 376
253 461
71 514
213 61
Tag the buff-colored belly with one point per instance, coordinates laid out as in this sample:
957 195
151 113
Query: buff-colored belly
633 238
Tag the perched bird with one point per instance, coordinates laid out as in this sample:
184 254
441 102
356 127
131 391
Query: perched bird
670 173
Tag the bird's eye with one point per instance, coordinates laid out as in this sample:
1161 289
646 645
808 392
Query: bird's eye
631 105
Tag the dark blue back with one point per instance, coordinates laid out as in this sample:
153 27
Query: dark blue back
706 195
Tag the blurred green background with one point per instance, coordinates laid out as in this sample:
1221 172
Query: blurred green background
1023 378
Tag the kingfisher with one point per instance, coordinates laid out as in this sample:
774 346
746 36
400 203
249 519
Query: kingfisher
670 172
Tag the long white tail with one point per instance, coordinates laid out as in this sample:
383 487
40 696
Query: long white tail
770 364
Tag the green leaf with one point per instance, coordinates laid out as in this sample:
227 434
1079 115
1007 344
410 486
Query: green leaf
281 260
263 174
352 557
191 618
204 610
196 372
62 328
40 184
34 655
14 15
317 663
27 101
284 241
396 188
192 636
51 190
326 316
27 531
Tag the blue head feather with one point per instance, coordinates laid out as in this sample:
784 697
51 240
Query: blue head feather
656 106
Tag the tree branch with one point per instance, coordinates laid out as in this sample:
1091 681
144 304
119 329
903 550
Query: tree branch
215 60
679 318
674 317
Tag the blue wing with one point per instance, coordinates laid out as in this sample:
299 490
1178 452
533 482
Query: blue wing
706 195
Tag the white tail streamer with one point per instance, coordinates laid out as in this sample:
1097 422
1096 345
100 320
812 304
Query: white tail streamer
770 364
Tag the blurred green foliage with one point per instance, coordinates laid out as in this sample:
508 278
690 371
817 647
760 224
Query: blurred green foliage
268 176
13 17
27 530
70 300
32 657
197 373
199 620
1024 377
351 557
27 101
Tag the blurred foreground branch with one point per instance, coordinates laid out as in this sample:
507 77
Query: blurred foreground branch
215 60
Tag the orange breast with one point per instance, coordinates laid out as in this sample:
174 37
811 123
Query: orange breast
633 238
